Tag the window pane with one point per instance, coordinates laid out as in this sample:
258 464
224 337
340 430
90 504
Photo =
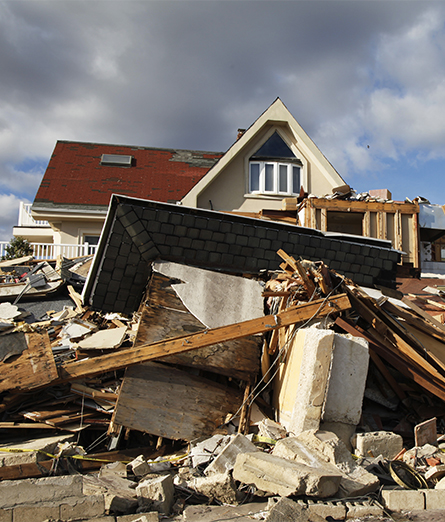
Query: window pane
268 181
282 179
296 184
254 177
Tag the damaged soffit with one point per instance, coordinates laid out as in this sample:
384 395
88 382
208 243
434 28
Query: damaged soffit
137 232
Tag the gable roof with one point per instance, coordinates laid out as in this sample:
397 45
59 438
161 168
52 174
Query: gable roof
279 115
75 177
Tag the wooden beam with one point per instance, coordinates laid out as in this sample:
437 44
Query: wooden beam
123 358
424 314
298 267
339 205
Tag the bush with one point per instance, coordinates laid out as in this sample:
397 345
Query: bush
18 247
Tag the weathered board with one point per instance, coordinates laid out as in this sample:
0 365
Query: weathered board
171 403
33 368
164 317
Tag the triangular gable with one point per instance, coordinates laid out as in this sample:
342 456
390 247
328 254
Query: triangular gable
279 116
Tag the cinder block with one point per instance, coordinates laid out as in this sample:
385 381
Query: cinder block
81 508
336 510
362 509
377 443
403 499
434 498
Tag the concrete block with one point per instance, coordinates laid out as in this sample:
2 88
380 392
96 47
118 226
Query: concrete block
219 486
434 498
5 515
375 443
151 516
226 459
346 385
205 450
139 466
36 512
325 450
299 400
85 507
277 476
242 513
403 499
48 489
157 494
363 509
286 510
335 510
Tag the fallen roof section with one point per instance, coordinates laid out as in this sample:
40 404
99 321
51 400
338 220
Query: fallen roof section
137 232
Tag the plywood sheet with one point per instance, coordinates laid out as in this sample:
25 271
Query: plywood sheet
171 403
33 368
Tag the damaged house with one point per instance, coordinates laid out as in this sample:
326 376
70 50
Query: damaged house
221 360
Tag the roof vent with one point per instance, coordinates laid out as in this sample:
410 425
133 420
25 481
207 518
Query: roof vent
116 160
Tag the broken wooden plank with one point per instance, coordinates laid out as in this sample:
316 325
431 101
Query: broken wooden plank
298 267
167 402
424 314
123 358
33 368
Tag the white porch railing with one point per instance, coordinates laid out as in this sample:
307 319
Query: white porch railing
52 250
26 219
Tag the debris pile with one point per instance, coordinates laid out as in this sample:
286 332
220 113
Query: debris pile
299 394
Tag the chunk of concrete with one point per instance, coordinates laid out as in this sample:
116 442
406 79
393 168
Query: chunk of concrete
139 466
156 494
218 486
225 461
347 380
205 450
300 385
242 513
286 510
375 443
403 500
330 453
343 431
278 476
151 516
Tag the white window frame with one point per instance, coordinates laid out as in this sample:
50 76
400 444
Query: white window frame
276 176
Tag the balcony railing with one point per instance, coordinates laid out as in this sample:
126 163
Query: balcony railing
26 219
52 250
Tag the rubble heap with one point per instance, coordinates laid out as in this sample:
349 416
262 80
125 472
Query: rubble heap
297 395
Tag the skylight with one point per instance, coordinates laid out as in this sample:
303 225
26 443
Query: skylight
117 160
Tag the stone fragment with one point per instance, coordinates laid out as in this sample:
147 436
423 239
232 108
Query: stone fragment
363 509
375 443
225 460
218 486
277 476
271 429
343 431
139 466
156 494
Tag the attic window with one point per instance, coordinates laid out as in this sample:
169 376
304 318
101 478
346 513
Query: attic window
116 160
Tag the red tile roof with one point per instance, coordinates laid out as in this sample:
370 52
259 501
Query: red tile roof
74 175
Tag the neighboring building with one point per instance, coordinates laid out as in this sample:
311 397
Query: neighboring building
271 160
432 238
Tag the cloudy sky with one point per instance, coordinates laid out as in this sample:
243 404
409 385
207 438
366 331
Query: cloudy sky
364 78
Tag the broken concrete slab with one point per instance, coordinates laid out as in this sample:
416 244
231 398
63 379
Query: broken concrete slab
205 450
308 448
218 486
216 299
225 461
156 494
308 357
278 476
242 513
286 510
375 443
347 380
